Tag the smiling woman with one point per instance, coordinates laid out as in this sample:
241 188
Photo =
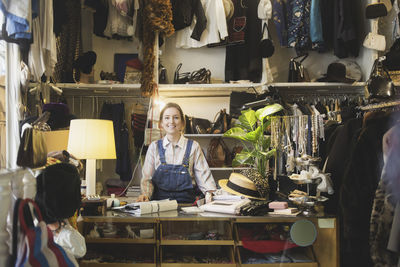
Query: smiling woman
175 167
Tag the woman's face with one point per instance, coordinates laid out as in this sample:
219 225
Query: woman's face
171 121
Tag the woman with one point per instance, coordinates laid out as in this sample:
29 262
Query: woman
174 163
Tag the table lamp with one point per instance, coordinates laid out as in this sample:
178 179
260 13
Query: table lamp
91 139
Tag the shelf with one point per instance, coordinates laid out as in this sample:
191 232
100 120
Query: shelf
204 135
114 264
184 264
120 240
296 264
229 168
166 90
197 242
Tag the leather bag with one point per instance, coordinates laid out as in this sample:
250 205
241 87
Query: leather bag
32 151
197 125
222 123
380 84
181 78
218 153
297 72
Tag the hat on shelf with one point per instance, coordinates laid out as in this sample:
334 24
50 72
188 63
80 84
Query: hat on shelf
238 184
342 71
85 62
229 9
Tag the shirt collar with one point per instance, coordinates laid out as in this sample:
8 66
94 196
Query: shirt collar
180 143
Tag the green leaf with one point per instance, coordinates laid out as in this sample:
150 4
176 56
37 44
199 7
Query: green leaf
248 119
254 135
237 133
268 110
268 154
243 158
266 142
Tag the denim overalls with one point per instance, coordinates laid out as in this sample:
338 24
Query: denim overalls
173 181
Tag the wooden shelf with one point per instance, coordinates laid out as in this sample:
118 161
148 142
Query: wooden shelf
114 264
293 264
197 242
118 240
197 264
204 135
228 168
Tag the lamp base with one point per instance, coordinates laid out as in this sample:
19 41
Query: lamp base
90 177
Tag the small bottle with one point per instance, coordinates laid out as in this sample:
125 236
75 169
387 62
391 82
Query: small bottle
83 188
112 201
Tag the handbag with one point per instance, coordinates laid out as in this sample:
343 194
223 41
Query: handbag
197 125
32 151
202 75
222 123
380 84
39 248
181 78
218 153
297 72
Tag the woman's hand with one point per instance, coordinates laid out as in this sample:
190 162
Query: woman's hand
142 198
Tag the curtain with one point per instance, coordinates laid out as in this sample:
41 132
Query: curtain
13 104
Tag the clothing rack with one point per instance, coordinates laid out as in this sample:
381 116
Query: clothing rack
382 105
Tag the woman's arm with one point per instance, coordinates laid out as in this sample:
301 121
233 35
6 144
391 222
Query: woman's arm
202 173
146 185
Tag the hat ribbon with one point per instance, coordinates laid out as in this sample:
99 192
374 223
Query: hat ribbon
242 190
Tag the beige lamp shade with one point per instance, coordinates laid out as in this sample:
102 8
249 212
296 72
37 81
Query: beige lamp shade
91 139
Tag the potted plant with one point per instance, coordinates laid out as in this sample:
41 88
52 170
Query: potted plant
256 146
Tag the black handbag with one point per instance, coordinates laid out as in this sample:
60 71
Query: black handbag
197 125
181 78
297 72
380 84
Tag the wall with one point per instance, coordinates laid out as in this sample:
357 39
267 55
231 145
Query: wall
213 59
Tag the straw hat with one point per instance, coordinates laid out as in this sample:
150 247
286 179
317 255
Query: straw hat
238 184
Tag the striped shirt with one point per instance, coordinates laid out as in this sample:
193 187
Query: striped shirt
198 167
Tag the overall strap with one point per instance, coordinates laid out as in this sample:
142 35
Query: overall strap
185 161
161 151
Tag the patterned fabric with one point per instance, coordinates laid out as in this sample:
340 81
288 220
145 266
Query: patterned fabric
299 25
381 224
69 43
279 8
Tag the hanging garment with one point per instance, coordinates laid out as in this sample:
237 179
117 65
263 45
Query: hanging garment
279 8
360 182
316 34
299 25
115 112
18 18
173 181
117 24
69 44
215 31
244 61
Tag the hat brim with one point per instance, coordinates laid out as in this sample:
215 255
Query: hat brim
328 79
223 184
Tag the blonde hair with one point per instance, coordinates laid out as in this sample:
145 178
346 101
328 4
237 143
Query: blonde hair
172 105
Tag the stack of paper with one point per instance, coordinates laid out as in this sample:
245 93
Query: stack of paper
288 211
225 206
139 208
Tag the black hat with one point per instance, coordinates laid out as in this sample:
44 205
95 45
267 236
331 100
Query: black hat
342 71
85 62
58 192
